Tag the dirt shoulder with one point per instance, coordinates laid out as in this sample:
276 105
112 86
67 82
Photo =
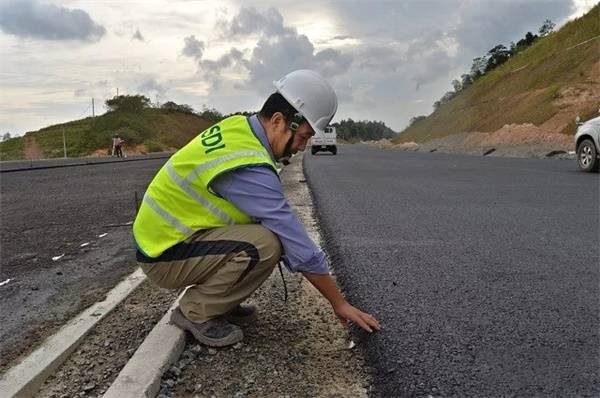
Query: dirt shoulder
514 140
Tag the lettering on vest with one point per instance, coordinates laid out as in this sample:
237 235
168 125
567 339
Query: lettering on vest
212 138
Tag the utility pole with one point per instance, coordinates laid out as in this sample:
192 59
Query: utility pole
64 142
157 104
93 111
117 91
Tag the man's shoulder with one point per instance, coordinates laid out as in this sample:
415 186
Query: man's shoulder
249 177
255 170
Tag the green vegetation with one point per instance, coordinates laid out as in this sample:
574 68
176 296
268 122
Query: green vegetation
157 129
522 88
13 147
364 130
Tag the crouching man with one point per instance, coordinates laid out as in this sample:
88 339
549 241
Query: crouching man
215 218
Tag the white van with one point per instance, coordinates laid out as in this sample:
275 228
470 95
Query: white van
326 142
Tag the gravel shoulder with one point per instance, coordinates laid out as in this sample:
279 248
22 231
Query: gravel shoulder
94 365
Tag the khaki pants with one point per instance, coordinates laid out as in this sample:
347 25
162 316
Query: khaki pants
221 266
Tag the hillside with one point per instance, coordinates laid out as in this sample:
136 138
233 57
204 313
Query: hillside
147 130
532 98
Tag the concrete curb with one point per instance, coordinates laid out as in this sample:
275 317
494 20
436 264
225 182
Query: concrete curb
141 376
76 162
26 378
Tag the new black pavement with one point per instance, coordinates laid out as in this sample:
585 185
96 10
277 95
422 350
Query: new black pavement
483 271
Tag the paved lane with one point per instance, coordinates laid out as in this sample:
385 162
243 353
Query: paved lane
49 212
483 271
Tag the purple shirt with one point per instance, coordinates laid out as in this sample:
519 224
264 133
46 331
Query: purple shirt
257 191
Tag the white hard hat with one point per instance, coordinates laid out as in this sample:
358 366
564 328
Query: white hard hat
310 95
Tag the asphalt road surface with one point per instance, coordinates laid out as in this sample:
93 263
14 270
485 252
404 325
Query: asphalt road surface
483 271
51 213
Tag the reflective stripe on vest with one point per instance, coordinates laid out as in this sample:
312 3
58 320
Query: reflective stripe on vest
168 218
203 167
179 202
184 183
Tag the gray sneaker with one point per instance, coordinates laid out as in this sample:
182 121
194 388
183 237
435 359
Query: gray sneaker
215 332
242 315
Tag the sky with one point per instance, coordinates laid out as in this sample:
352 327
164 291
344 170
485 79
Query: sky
387 60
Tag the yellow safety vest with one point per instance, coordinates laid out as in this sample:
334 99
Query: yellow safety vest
179 201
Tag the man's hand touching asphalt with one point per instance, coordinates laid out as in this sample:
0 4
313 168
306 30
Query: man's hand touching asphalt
344 311
348 313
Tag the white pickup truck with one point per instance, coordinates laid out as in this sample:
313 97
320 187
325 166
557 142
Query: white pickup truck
326 142
587 144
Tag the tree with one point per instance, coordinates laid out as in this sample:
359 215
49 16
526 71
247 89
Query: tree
243 113
363 130
497 56
478 67
447 97
530 38
546 28
527 41
6 136
444 100
416 119
523 43
171 106
127 103
466 80
456 85
210 114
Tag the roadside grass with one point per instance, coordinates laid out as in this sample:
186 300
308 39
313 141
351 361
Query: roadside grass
156 129
523 89
12 149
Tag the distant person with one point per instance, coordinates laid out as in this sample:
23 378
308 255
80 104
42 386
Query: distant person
215 218
118 146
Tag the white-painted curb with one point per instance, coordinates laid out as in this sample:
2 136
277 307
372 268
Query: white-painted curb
141 376
26 378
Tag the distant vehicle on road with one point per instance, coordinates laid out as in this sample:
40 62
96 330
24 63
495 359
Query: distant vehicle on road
324 142
587 145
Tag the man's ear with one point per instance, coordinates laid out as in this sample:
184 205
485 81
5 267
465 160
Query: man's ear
277 120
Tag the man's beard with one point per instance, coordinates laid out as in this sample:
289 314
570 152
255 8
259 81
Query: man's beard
287 151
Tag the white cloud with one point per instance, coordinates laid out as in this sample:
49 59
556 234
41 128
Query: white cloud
278 50
29 18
